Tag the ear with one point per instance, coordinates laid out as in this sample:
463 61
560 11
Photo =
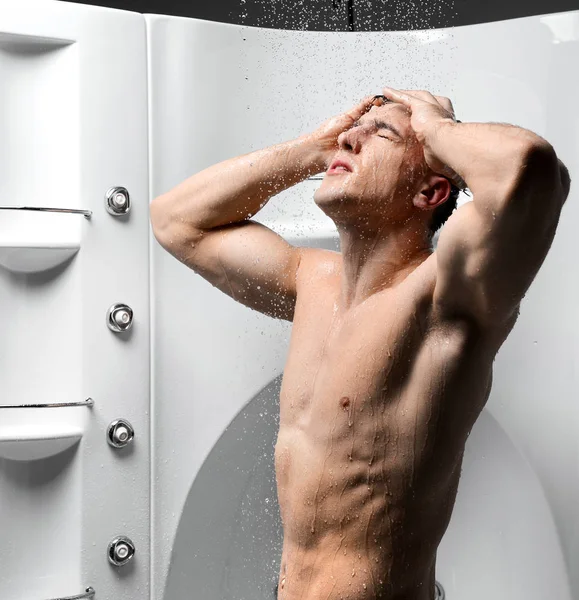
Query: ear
433 192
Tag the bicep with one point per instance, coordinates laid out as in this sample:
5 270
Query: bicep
247 261
486 261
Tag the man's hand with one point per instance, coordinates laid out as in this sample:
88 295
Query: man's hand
426 113
326 135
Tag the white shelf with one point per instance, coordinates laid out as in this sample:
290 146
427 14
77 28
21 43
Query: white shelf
28 259
33 241
33 433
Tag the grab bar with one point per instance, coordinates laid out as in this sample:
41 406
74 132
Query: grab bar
86 213
89 593
87 402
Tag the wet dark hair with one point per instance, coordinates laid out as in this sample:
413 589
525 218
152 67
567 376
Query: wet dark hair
442 212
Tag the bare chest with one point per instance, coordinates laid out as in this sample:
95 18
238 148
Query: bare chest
386 366
352 361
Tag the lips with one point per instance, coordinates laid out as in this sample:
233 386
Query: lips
339 163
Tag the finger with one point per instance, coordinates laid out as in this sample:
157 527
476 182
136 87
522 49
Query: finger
398 96
361 108
446 103
418 94
430 97
424 95
442 101
427 96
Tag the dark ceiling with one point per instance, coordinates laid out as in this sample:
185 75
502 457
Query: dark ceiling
346 15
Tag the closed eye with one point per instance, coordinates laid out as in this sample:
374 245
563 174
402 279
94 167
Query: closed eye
382 125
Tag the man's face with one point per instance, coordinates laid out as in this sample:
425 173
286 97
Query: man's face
386 167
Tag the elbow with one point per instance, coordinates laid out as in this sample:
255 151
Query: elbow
548 171
536 171
159 214
537 192
565 180
162 220
167 226
538 156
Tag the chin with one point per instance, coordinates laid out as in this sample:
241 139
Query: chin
333 202
324 197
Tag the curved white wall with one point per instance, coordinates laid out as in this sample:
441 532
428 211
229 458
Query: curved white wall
218 91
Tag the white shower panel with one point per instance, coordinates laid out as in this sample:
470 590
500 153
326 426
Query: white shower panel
73 125
218 91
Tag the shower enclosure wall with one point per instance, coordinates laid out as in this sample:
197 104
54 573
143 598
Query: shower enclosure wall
103 110
73 125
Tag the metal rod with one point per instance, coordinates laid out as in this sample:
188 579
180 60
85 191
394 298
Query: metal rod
89 593
87 402
86 213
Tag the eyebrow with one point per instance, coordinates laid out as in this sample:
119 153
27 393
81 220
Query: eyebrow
382 125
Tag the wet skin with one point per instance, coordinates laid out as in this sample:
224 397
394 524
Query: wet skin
382 383
376 405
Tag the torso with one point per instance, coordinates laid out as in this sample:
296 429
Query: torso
375 408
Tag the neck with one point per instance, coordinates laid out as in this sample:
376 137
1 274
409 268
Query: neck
379 259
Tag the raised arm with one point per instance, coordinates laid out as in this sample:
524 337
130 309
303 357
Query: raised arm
491 249
204 221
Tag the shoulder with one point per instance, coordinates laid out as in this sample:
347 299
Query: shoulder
318 263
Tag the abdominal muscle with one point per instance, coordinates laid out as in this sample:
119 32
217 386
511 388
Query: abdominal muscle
357 524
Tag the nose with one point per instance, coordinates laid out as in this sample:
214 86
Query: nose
351 139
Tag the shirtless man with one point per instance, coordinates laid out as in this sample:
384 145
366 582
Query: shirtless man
392 346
